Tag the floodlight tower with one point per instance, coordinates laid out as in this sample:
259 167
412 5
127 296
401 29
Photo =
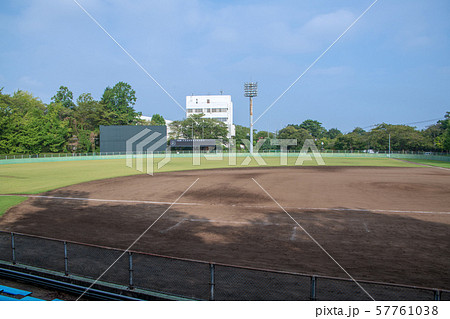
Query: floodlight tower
251 90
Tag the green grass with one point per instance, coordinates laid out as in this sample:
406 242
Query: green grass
431 162
33 178
6 202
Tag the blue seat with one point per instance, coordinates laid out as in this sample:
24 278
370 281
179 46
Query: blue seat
4 298
14 291
28 298
56 299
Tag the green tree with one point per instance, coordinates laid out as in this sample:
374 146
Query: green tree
264 134
119 102
314 128
291 132
267 145
333 133
403 138
351 141
89 113
64 96
196 126
25 102
241 133
359 131
157 120
10 122
55 131
28 136
442 141
355 140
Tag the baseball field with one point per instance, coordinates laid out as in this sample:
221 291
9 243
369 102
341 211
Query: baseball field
379 219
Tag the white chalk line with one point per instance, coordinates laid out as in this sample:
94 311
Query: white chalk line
334 209
421 164
294 234
221 221
375 210
444 168
366 228
174 226
104 200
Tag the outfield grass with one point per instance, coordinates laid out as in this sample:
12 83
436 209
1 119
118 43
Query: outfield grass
431 162
33 178
7 202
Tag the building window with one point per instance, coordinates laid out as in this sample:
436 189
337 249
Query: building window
208 110
221 119
198 110
207 101
190 110
218 110
196 101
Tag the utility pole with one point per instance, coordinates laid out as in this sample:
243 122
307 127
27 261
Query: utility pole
250 91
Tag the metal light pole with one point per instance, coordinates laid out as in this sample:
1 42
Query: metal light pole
251 90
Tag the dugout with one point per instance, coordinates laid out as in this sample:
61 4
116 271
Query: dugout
190 144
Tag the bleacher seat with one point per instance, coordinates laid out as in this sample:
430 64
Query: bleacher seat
4 298
14 291
28 298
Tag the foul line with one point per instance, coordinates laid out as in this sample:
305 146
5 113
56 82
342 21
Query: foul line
316 60
127 53
105 200
417 163
137 239
367 210
315 241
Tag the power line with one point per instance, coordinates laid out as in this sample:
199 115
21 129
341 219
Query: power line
432 120
418 122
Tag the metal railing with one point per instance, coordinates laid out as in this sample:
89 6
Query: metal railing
24 158
191 278
263 151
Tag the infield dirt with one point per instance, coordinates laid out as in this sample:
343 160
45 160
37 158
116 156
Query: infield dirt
380 224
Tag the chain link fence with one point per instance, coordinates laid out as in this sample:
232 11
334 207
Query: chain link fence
193 279
27 158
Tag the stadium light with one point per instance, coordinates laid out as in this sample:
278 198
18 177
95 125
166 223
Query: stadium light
250 91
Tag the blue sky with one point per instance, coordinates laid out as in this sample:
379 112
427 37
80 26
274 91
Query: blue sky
393 66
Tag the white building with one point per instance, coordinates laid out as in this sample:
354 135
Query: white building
218 107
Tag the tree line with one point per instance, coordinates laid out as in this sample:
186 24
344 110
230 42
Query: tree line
435 137
29 126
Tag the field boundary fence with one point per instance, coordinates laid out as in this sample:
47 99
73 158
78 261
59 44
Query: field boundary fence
59 157
190 278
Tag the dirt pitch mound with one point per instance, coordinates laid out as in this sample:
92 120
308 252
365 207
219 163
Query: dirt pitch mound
381 224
